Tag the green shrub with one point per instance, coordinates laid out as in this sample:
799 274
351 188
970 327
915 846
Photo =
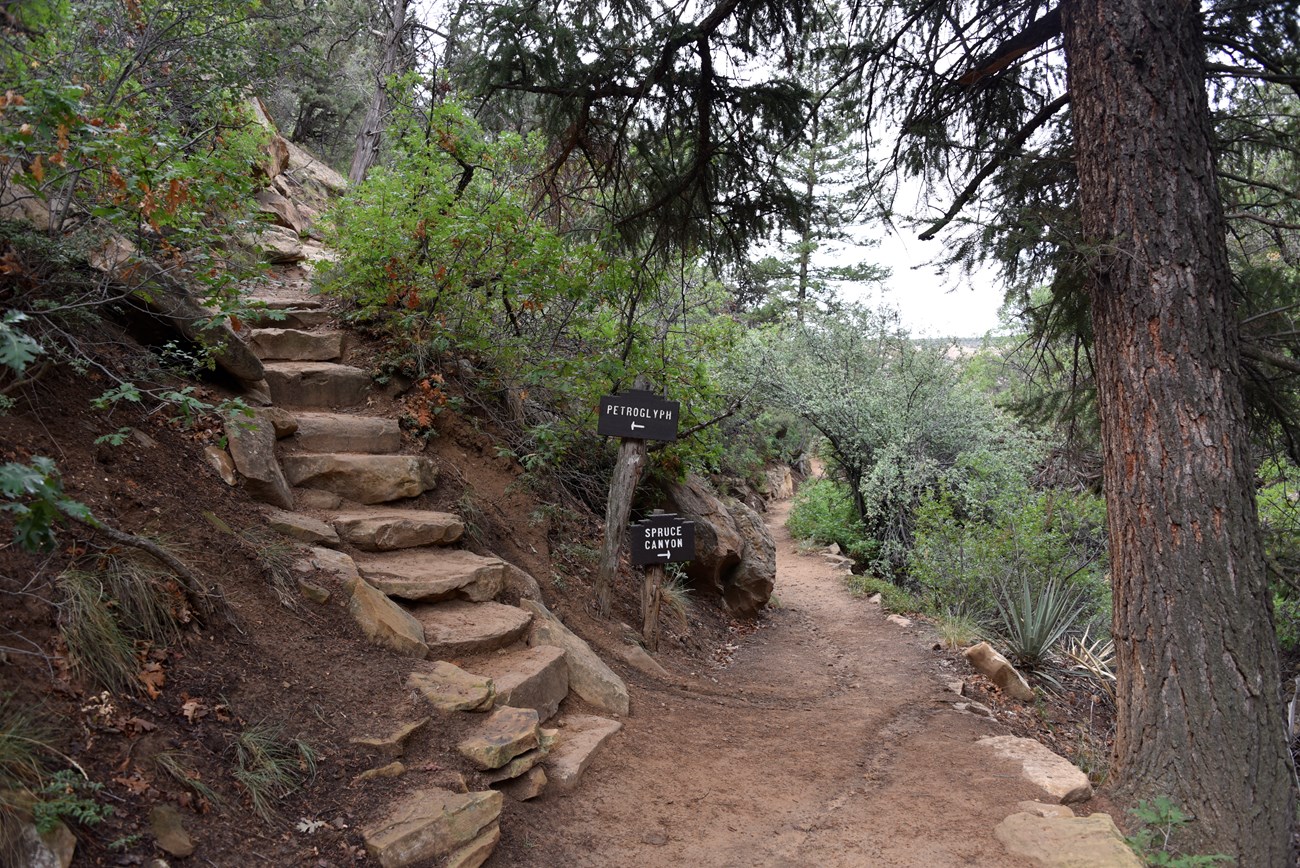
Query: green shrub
823 513
892 597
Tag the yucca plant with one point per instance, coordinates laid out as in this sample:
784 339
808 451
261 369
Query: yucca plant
1035 620
1093 658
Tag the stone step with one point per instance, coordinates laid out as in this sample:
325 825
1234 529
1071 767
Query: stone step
424 825
363 478
429 575
338 432
379 530
580 737
286 302
461 627
295 345
288 318
537 678
316 384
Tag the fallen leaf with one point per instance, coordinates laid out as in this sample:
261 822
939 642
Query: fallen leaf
153 678
136 784
193 709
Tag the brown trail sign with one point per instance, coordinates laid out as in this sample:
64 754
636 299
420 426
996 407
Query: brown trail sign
660 539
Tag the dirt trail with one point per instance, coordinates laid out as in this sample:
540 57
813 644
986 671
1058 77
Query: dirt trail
827 742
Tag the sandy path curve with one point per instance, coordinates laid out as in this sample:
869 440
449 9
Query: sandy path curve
827 742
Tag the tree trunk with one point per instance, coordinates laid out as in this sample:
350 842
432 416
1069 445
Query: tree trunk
650 597
622 488
1200 709
368 137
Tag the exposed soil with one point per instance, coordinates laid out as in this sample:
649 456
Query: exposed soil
828 739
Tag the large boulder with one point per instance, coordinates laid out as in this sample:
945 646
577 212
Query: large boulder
735 556
589 677
252 446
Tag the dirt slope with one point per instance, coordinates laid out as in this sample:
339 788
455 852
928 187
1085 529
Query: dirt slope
827 741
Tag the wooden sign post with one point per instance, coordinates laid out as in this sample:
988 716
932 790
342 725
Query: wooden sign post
634 416
661 539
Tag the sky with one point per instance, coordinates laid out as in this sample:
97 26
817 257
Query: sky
931 303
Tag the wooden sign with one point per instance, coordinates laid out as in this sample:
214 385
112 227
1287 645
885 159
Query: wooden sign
638 414
662 539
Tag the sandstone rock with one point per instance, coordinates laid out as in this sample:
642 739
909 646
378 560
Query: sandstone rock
521 764
314 592
289 318
1040 809
252 446
504 735
476 852
338 432
281 420
1054 774
435 574
735 557
460 627
283 210
314 498
1066 842
363 478
394 744
170 834
430 823
451 688
338 565
537 678
33 849
318 180
520 584
876 599
528 786
221 462
384 622
999 670
580 739
378 530
589 677
21 205
278 245
780 483
392 770
899 620
639 658
302 527
293 345
316 384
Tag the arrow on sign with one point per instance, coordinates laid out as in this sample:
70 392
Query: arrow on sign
635 426
664 555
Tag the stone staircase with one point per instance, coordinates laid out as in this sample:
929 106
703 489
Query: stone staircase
338 481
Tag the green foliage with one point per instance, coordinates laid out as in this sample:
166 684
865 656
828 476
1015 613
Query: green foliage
34 495
894 598
271 767
67 796
1035 619
895 414
17 349
962 557
958 630
823 513
448 253
1161 820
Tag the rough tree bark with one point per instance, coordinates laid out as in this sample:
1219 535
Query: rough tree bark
1200 712
390 63
622 488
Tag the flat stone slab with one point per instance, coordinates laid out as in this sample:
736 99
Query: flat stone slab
363 478
297 317
999 670
527 786
537 678
316 384
450 688
476 852
1056 775
461 627
430 823
579 740
589 677
435 574
384 622
1066 842
394 744
339 432
286 302
295 345
380 530
504 735
252 447
302 527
